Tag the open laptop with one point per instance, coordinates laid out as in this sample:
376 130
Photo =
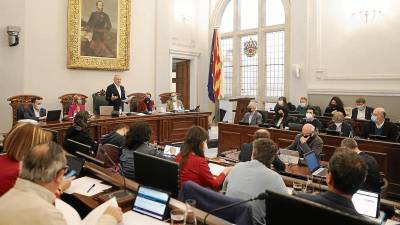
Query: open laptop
366 203
289 156
314 166
171 150
53 115
106 110
151 202
333 132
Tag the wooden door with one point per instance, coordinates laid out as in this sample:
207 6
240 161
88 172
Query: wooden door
183 82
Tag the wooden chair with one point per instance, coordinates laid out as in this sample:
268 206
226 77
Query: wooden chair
164 97
135 99
99 99
67 99
19 100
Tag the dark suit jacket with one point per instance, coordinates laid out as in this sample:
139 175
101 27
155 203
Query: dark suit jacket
368 113
27 112
344 131
81 136
332 200
316 123
372 183
285 122
389 129
329 110
314 144
112 90
247 150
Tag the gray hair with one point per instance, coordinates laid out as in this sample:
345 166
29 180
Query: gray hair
43 163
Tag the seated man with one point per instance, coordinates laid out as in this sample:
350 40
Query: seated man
372 183
361 111
302 108
116 137
174 104
247 150
32 111
252 117
347 173
146 105
378 126
339 124
307 140
248 179
31 200
310 118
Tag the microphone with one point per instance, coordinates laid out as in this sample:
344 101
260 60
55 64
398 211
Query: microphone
120 193
261 196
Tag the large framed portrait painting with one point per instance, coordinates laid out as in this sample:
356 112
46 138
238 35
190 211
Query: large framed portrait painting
98 34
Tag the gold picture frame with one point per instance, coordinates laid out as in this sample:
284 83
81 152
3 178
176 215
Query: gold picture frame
98 34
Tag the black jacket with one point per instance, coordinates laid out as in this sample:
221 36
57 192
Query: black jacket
112 91
113 138
316 123
247 150
344 131
27 112
372 183
368 113
81 136
329 110
389 129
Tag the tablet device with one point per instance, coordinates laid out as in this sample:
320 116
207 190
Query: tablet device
366 203
75 165
151 202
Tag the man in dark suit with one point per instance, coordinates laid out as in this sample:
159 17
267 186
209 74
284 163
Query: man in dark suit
378 126
307 141
115 94
247 150
339 124
347 173
32 111
362 111
310 118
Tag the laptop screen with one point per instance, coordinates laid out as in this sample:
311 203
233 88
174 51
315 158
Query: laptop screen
312 161
151 202
366 203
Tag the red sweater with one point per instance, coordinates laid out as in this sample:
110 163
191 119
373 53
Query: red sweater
9 171
143 107
197 170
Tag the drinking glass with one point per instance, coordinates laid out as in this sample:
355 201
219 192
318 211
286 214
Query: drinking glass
177 217
190 218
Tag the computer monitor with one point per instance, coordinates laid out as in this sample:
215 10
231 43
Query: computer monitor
378 137
74 146
333 132
288 209
295 126
157 172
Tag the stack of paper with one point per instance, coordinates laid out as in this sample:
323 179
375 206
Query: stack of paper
87 186
216 169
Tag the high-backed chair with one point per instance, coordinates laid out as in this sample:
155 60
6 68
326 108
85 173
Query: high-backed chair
164 97
67 99
135 99
20 100
99 99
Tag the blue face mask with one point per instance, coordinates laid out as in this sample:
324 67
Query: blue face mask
373 118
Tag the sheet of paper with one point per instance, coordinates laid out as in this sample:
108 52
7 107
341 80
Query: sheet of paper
94 216
140 114
216 169
83 184
134 218
70 214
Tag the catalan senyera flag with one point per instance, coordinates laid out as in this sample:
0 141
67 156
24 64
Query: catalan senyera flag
215 70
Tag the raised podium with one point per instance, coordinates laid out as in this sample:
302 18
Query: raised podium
241 107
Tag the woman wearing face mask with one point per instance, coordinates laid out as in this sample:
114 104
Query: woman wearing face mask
335 105
76 106
192 162
339 124
146 105
174 104
280 119
281 102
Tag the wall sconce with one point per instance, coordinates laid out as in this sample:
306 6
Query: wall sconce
368 15
13 35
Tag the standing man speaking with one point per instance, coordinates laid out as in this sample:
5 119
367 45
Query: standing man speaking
115 94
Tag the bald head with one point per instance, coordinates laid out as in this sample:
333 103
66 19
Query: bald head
380 114
307 129
262 133
117 79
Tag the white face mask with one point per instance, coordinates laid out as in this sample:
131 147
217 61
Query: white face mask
174 98
338 124
309 116
303 104
280 102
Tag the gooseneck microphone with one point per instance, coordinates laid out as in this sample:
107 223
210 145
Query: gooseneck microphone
261 196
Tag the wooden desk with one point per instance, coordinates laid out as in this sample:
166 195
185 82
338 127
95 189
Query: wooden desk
232 136
166 127
117 180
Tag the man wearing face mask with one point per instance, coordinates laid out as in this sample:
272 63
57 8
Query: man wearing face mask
252 117
310 118
174 104
340 125
378 126
146 105
361 111
33 111
308 140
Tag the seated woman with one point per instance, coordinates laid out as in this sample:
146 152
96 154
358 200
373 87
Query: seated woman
339 124
174 104
252 117
137 139
76 106
282 102
17 144
192 163
79 132
335 105
146 105
280 119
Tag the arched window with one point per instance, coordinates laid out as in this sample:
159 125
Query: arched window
246 25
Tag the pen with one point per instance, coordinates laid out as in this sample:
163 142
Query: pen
90 188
